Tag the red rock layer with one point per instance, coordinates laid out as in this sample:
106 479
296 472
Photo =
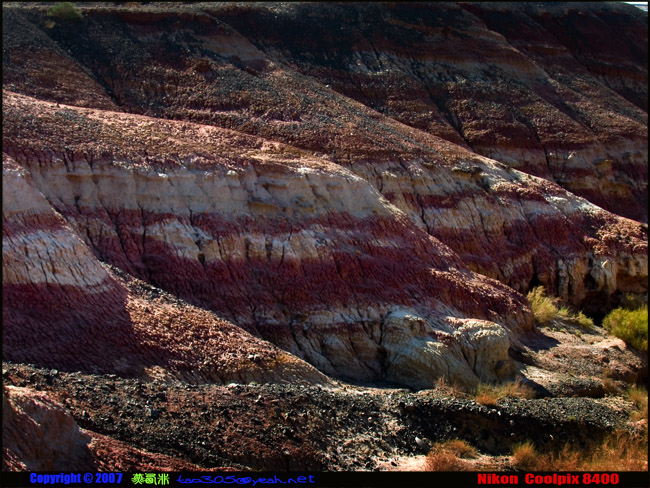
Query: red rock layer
555 91
63 309
300 250
39 434
476 207
299 243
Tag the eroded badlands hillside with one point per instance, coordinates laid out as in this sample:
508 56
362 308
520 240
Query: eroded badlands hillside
307 193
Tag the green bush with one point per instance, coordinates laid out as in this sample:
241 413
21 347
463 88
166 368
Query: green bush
64 11
629 325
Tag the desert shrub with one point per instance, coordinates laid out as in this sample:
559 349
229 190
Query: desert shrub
64 11
525 456
619 451
488 394
460 448
450 456
444 461
630 326
639 396
544 308
448 389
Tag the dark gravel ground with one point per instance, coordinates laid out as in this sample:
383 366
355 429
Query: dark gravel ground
290 427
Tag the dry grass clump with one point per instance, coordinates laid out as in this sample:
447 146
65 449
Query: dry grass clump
545 310
629 325
525 456
639 396
450 456
448 389
460 448
611 386
619 451
489 395
444 461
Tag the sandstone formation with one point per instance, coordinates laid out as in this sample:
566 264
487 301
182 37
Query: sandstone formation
63 308
290 193
209 72
39 434
295 249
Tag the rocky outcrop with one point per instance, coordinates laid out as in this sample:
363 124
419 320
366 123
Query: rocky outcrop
286 427
38 434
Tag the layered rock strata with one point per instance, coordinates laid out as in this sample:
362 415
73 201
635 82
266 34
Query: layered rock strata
249 80
199 195
296 249
65 309
558 91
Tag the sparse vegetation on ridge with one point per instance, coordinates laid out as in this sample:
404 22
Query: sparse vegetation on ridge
618 451
488 394
64 11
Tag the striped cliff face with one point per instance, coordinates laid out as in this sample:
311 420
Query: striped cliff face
234 232
556 91
64 308
293 248
369 202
